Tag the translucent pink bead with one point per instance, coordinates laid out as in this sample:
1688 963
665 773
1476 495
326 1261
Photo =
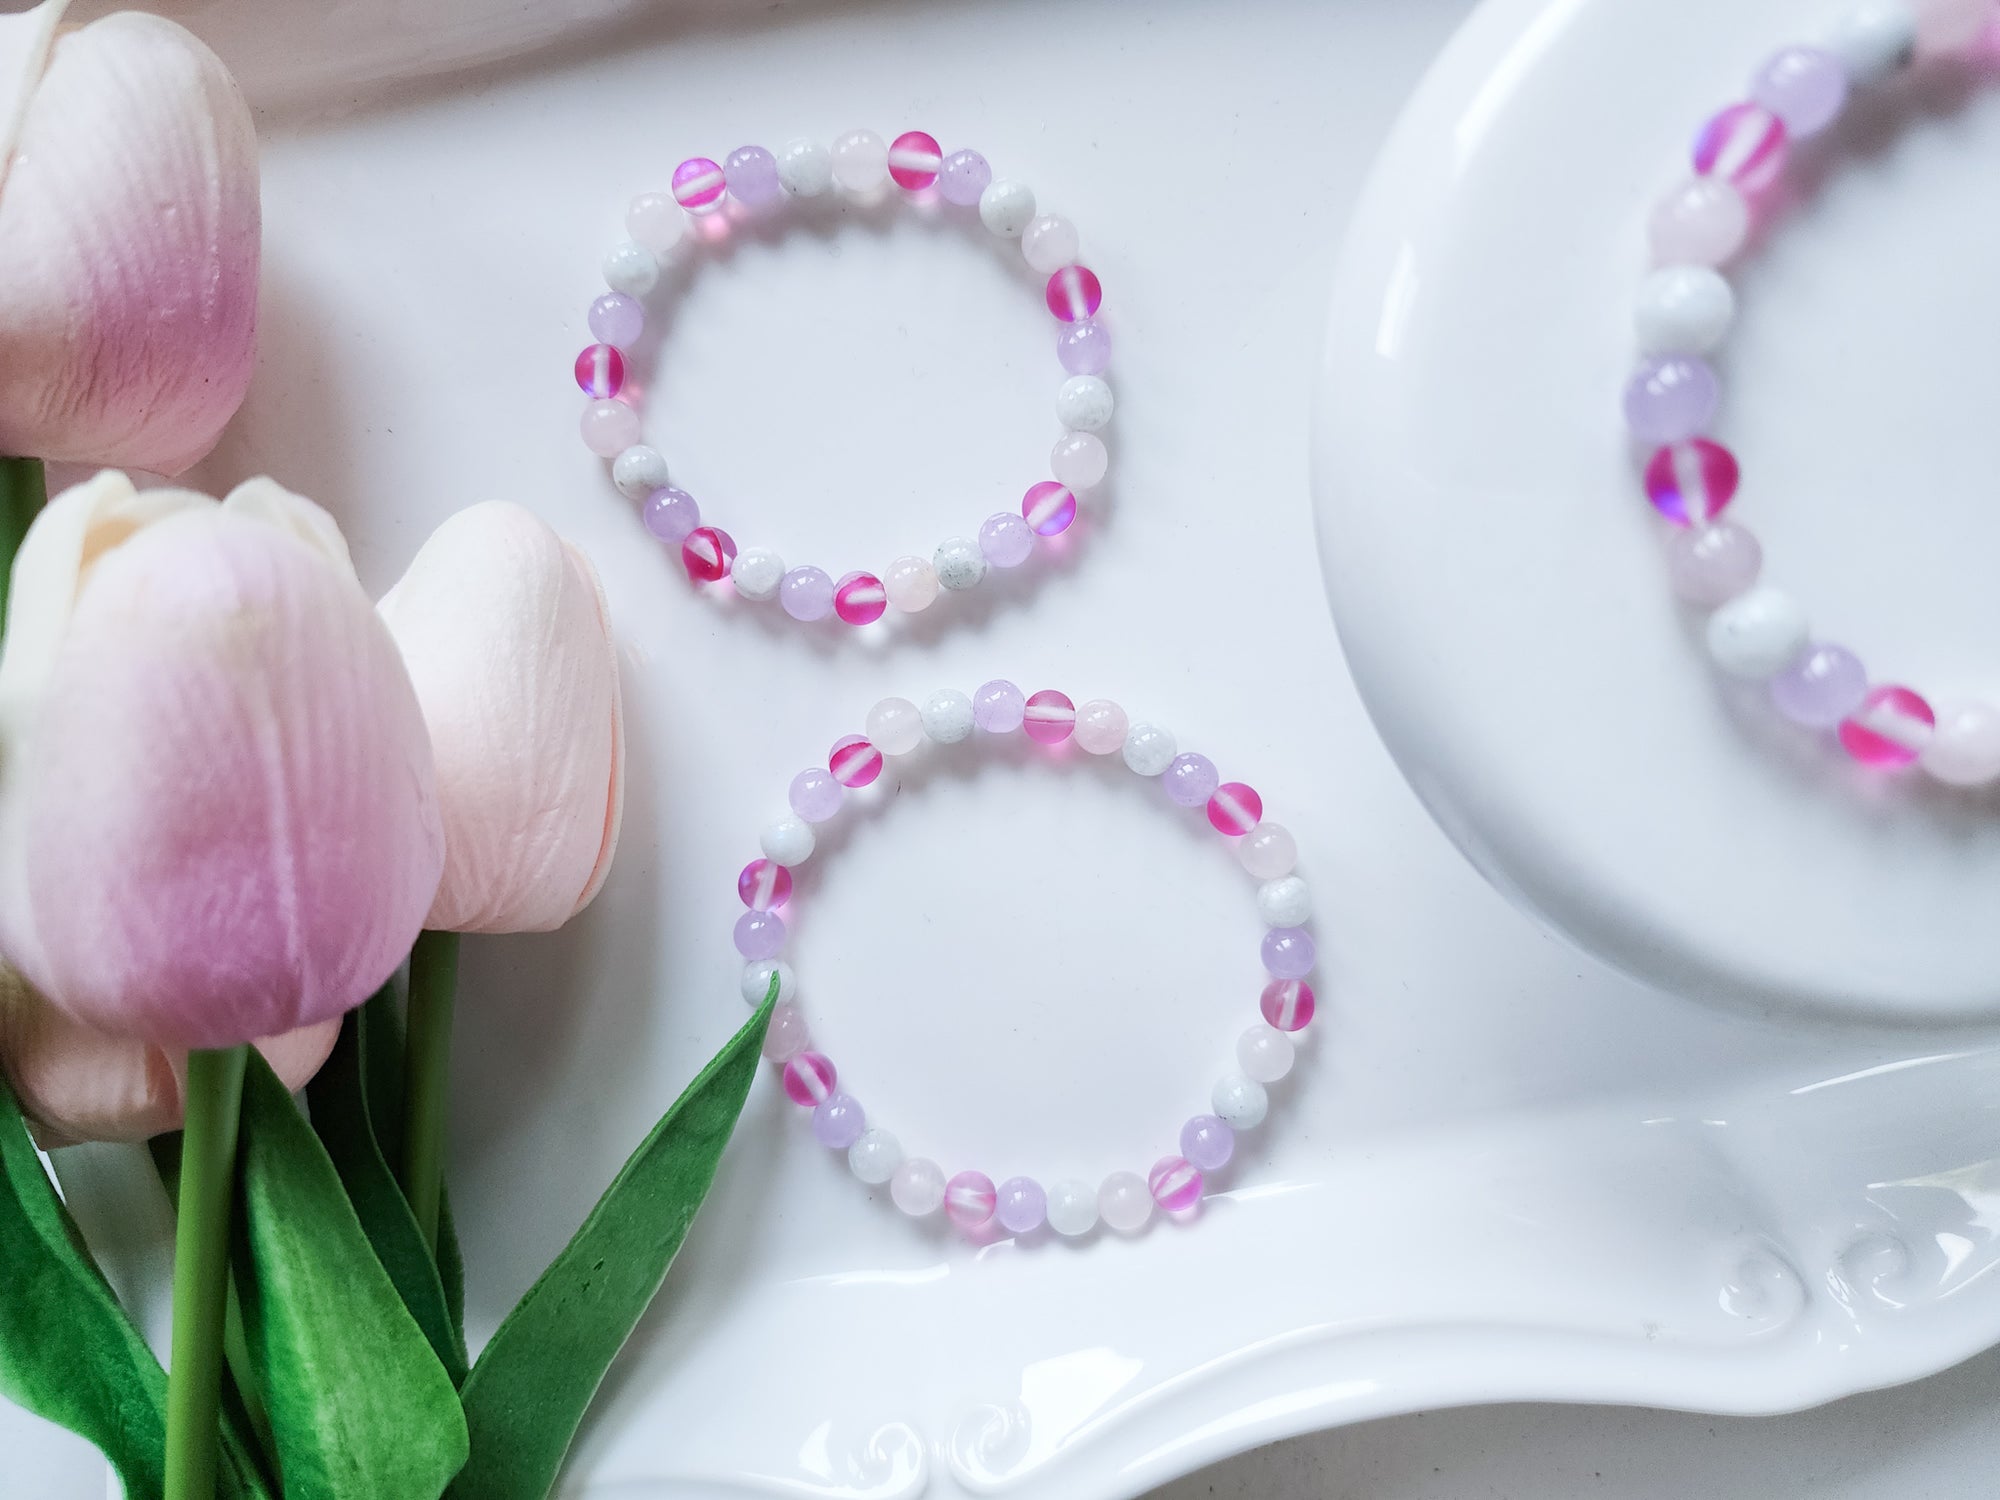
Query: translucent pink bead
1821 688
969 1199
1074 293
838 1121
707 554
609 427
1234 809
914 160
1745 144
1806 87
1671 398
1890 728
816 796
751 174
618 319
1948 26
1049 716
1101 726
1703 222
1022 1205
1048 507
1287 1004
699 184
1006 539
1208 1142
807 594
854 761
1710 565
1175 1183
1084 348
600 371
788 1035
1689 483
860 599
760 934
670 514
764 884
1191 779
999 707
809 1078
964 176
1289 952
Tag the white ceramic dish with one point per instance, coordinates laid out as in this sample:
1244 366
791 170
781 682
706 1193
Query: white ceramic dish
1500 1171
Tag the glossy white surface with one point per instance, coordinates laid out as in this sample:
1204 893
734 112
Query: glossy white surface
1494 566
1495 1171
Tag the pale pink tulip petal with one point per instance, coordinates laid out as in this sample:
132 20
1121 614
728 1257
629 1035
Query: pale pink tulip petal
267 500
614 811
25 39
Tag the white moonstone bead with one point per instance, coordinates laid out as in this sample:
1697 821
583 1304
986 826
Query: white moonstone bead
789 841
1124 1202
1007 208
1268 851
894 727
959 563
1240 1102
757 980
757 572
1684 310
1264 1053
638 471
917 1185
1079 460
1149 749
1084 403
1050 243
805 168
656 221
1964 748
1874 39
875 1156
911 584
1284 902
1072 1207
948 716
860 161
1757 634
631 268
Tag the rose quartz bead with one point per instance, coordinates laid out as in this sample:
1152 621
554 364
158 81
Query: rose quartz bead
1048 507
1890 729
809 1078
854 762
914 160
1074 293
1287 1004
1689 483
1710 565
860 599
699 184
1745 144
1703 222
969 1199
1234 809
1948 26
1101 726
912 584
764 884
1175 1183
1268 851
609 427
707 554
788 1035
1050 717
600 371
1079 460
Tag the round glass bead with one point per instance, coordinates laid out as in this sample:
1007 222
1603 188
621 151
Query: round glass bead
1288 952
854 762
1175 1183
894 726
751 173
1690 482
764 884
760 934
1240 1102
1124 1202
600 371
860 599
656 221
838 1121
1744 144
1006 539
699 184
670 514
1964 749
1021 1205
1048 507
1049 717
609 427
914 160
912 584
969 1199
1264 1053
947 716
1208 1142
816 794
1074 293
707 553
917 1186
1287 1004
1890 729
998 707
963 176
1079 460
1268 851
806 594
1805 87
1149 749
1084 348
809 1079
1821 688
1233 809
1191 779
959 563
1711 565
1101 727
1072 1208
618 319
787 1036
1671 398
860 161
874 1156
1050 243
1703 222
755 983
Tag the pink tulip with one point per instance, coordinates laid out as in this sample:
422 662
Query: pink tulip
129 230
505 631
218 819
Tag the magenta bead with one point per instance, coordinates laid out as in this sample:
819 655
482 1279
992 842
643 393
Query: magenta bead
1288 952
963 177
1890 728
1689 483
600 371
809 1078
707 554
1006 540
999 707
838 1121
1074 293
760 934
1048 507
1191 779
1208 1142
751 174
1745 145
618 319
699 184
1084 348
914 160
859 598
816 795
969 1199
855 761
806 594
1176 1184
764 884
1821 688
670 514
1049 717
1021 1205
1234 809
1805 87
1671 398
1287 1004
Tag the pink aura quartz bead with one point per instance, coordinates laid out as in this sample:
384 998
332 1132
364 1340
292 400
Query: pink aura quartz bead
600 371
855 761
1234 809
1890 729
914 160
1048 507
1049 717
969 1199
1690 482
1074 293
1176 1184
860 599
699 184
809 1078
707 554
764 884
1745 144
1287 1004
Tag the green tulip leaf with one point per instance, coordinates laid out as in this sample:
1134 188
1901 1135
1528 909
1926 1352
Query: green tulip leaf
530 1387
359 1402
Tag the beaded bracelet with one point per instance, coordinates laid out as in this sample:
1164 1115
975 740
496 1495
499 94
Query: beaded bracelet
752 181
1020 1205
1758 632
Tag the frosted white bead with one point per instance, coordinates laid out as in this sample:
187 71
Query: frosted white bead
1240 1102
630 268
757 981
1264 1053
1964 749
959 563
1124 1202
1284 902
1079 460
911 584
1072 1207
948 716
894 726
1050 243
1684 310
917 1185
789 841
1149 749
1084 403
757 572
805 168
860 161
638 471
1007 207
1757 634
1874 39
656 221
875 1157
1268 851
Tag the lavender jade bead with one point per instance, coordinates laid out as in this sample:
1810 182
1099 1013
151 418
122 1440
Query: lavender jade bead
670 514
1671 398
1083 348
1288 952
1803 86
1021 1205
999 707
752 175
760 934
1821 688
1208 1142
816 794
838 1121
1191 779
963 177
617 319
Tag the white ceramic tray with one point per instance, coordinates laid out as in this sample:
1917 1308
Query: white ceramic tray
1500 1171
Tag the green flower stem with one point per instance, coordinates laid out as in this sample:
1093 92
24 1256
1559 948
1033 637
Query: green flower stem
201 1270
427 1075
24 490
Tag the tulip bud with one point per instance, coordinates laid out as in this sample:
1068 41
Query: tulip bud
129 234
505 632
